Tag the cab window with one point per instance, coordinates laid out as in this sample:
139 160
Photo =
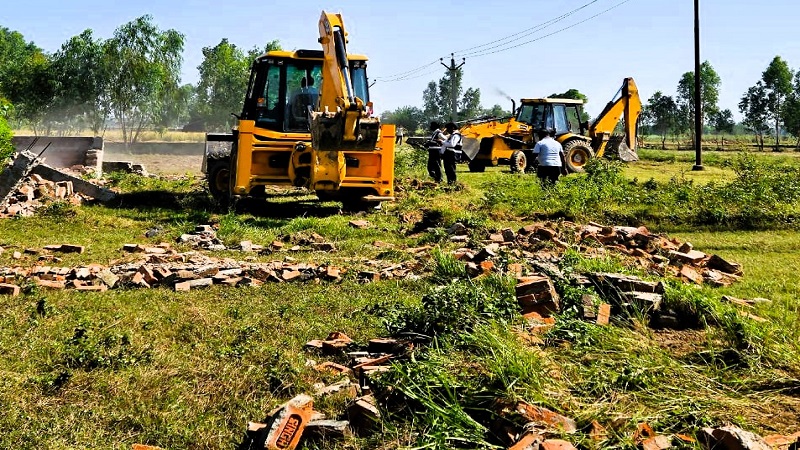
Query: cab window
268 112
560 119
360 83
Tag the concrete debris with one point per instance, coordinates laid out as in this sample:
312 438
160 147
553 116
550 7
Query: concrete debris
28 185
781 442
162 266
732 438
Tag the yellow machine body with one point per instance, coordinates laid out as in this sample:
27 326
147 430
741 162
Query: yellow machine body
274 143
491 142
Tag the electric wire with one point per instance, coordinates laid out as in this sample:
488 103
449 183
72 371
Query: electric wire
488 52
501 45
528 31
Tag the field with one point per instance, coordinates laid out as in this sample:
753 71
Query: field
190 369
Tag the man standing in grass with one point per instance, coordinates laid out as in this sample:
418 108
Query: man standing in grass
550 156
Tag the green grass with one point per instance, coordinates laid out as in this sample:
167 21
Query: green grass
188 370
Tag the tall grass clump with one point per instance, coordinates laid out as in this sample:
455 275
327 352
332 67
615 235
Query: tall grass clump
762 195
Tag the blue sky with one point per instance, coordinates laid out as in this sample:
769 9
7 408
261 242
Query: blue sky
650 40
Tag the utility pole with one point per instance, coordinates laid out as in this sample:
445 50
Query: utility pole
452 68
698 112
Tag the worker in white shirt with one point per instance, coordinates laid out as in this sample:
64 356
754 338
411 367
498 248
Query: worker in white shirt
451 151
550 156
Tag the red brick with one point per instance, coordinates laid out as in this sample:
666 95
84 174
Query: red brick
603 314
691 274
9 289
544 416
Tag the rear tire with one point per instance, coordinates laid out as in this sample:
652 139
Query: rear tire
577 153
218 176
519 162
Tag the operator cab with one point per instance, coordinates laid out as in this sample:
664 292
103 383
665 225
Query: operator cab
561 115
284 86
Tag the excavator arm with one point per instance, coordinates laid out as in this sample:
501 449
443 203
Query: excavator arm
626 105
342 120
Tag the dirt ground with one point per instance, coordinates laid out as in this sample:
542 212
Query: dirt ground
162 164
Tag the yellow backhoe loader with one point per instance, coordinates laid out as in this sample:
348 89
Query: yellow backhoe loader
291 134
491 142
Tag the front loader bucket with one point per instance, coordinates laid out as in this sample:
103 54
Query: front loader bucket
470 147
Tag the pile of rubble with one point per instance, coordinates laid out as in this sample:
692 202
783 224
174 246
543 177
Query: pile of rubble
286 425
542 245
28 184
518 425
656 253
161 265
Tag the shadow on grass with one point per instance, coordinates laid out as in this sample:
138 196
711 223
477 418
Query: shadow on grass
198 205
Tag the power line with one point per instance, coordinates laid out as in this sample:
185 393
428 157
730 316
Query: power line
401 75
500 46
487 52
411 77
529 31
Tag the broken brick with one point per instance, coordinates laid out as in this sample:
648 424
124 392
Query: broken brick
288 423
362 224
332 367
364 415
691 274
9 289
732 437
603 314
718 263
542 417
691 257
659 442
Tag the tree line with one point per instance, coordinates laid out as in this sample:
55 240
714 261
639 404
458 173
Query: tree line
132 78
770 107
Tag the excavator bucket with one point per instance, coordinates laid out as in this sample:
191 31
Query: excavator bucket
627 154
327 133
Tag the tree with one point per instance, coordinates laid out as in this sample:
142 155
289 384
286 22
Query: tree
469 107
791 112
437 97
496 111
575 94
147 63
224 74
5 142
25 77
723 122
81 77
753 106
778 87
409 117
709 93
661 113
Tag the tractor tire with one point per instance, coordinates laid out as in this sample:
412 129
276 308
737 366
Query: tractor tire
477 166
519 162
218 176
577 153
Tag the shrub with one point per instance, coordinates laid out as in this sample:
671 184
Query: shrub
5 142
456 307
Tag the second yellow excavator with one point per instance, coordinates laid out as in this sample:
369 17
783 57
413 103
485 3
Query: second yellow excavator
490 142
